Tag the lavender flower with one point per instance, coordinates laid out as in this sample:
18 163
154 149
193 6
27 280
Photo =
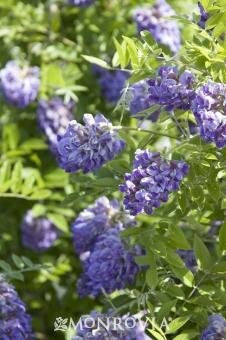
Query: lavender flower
189 259
111 82
38 233
109 266
171 89
209 108
154 19
151 181
19 86
54 117
88 147
204 16
15 323
139 99
95 220
81 3
93 327
216 329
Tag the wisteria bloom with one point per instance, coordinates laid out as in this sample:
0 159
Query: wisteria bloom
189 259
109 266
209 108
172 89
95 220
81 3
38 233
111 83
87 147
97 326
154 19
216 329
19 86
151 181
204 16
139 100
54 117
15 323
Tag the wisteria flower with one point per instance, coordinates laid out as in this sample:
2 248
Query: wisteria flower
92 327
216 329
38 233
209 108
81 3
95 220
111 82
15 323
151 181
154 19
139 99
19 86
87 147
204 16
54 117
172 89
189 259
109 266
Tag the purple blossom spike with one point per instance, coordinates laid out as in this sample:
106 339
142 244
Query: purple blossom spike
111 83
216 329
151 181
139 99
15 323
93 327
189 259
209 108
95 220
204 16
19 85
54 117
172 90
81 3
154 19
38 233
87 147
109 266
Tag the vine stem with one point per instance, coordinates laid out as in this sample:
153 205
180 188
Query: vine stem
145 131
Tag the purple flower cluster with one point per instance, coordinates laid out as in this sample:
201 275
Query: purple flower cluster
97 326
95 220
209 108
172 90
109 266
38 233
139 99
87 147
15 323
154 19
216 329
81 3
19 85
151 181
189 259
204 16
54 117
111 82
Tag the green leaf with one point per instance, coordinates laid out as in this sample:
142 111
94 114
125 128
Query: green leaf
222 237
16 179
186 336
59 221
96 61
5 266
184 275
202 254
177 324
18 261
156 334
178 238
152 277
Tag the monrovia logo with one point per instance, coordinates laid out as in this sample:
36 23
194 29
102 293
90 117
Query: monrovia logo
108 323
